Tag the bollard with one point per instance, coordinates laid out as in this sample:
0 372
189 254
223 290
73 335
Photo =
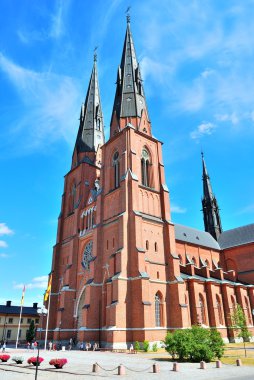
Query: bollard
218 364
175 367
121 370
95 367
238 362
202 365
156 368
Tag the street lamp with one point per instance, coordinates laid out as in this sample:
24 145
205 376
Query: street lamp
42 311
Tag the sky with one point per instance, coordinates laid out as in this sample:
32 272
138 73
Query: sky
196 58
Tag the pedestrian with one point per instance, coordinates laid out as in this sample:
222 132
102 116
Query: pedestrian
4 347
131 349
28 346
35 345
81 347
95 346
50 346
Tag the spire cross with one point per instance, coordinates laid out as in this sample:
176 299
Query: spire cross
128 14
95 54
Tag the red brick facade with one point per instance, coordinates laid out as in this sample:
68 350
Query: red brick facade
119 273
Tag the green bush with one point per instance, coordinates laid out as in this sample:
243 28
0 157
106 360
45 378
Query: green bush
146 345
194 344
155 347
136 346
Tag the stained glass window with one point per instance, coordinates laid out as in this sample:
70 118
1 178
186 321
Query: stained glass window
88 255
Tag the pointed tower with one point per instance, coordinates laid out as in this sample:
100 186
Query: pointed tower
78 214
130 102
91 128
210 206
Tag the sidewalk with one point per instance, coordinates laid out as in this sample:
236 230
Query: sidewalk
138 366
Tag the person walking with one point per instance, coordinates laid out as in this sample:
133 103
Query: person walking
4 347
50 346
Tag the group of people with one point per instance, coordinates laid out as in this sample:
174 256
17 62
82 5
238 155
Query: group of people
88 346
32 345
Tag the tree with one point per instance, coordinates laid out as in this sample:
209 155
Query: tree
30 334
195 344
239 324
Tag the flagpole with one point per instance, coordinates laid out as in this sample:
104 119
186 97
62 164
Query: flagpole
17 340
47 323
21 308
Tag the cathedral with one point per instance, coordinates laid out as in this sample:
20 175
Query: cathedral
122 270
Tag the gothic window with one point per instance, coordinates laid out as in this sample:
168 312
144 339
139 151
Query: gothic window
233 303
194 261
219 308
180 259
207 264
87 255
202 310
72 198
157 310
116 167
98 125
155 247
248 311
145 162
147 245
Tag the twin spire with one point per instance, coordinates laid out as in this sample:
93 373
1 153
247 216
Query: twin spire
129 105
91 126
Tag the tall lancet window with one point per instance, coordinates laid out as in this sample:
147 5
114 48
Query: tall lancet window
145 162
116 167
157 310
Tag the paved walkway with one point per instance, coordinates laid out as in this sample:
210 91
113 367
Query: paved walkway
138 366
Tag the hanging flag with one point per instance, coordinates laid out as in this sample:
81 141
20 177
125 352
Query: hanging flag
23 296
46 296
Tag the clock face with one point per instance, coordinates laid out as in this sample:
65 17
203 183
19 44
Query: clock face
87 255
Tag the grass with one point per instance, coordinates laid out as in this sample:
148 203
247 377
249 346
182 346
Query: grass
232 360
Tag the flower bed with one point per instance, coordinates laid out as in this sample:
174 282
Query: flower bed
34 360
18 359
58 363
4 357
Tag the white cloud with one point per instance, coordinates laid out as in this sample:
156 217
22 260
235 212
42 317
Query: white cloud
177 209
57 26
4 255
50 99
3 244
233 118
36 283
5 230
202 130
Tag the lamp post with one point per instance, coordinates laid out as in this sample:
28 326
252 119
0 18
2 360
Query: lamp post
42 311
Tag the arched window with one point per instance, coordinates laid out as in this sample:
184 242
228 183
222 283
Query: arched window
98 124
158 275
157 310
194 261
145 162
155 247
113 242
207 264
249 319
202 310
233 303
116 170
180 259
219 308
147 245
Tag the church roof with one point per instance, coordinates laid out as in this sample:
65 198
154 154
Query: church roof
237 236
91 128
129 98
194 236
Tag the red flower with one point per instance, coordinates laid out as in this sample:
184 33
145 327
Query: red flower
4 357
34 359
58 362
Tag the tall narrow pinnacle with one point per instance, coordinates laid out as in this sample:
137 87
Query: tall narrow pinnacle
211 213
91 127
130 103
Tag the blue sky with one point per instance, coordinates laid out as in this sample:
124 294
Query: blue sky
197 64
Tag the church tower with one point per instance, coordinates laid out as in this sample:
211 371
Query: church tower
210 206
80 186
